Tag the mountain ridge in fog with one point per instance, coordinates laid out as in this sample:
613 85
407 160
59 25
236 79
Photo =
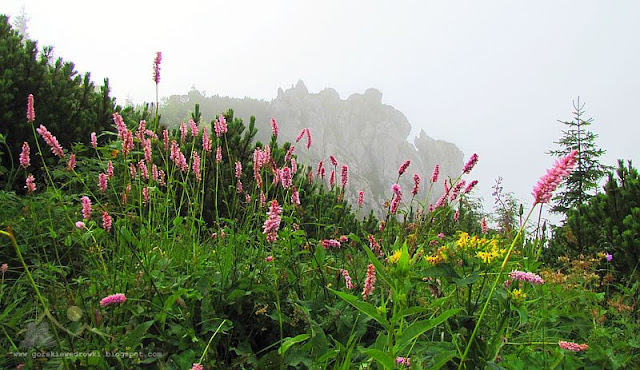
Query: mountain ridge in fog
360 131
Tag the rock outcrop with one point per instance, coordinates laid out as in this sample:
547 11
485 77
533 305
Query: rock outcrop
368 136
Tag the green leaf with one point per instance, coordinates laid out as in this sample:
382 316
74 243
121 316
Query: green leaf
134 337
288 342
408 312
364 307
467 280
442 358
418 328
383 358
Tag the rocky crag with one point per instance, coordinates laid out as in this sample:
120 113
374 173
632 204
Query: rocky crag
361 132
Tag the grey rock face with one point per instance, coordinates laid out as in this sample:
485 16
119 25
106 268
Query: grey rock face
361 132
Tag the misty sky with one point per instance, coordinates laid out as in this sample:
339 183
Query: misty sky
492 77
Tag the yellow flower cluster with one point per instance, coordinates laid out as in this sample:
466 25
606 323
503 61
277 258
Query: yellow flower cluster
518 295
441 255
395 257
486 249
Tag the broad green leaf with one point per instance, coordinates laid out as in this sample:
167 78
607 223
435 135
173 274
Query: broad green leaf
418 328
288 342
134 337
383 358
408 312
364 307
442 358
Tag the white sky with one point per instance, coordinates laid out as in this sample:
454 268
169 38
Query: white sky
492 77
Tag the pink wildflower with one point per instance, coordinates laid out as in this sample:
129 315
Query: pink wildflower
206 141
526 276
196 166
110 169
609 257
31 112
545 187
102 182
263 199
86 207
320 168
51 140
295 197
456 190
112 299
470 164
144 172
120 126
416 184
127 143
287 156
106 221
272 224
308 138
403 361
156 67
247 198
274 127
300 135
161 177
285 177
347 279
268 258
483 225
238 166
442 201
132 171
403 167
4 268
30 184
239 186
332 178
344 177
360 198
147 150
294 166
94 140
219 154
333 160
470 187
165 139
72 162
373 244
456 216
571 346
25 160
369 281
330 243
436 172
183 131
344 238
395 203
80 225
310 177
194 128
145 195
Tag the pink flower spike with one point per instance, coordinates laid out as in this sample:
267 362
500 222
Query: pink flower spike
436 173
274 127
30 184
86 207
194 128
300 135
196 367
94 140
106 221
51 140
483 226
571 346
403 167
268 258
472 162
72 162
543 191
526 276
334 161
344 178
102 182
219 154
4 268
347 279
308 138
369 281
80 225
416 184
156 67
25 160
360 198
470 187
272 224
31 112
112 299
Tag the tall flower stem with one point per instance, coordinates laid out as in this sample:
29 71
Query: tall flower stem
493 288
